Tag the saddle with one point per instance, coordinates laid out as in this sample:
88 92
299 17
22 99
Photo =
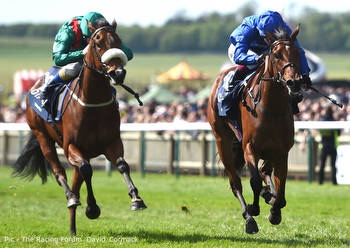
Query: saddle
56 93
228 98
51 108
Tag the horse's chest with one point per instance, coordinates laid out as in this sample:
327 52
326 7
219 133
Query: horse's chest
97 130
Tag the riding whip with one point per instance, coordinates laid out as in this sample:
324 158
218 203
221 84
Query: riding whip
136 95
329 98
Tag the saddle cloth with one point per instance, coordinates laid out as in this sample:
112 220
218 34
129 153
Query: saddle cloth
228 95
56 92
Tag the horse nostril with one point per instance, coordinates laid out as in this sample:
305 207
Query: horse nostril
118 75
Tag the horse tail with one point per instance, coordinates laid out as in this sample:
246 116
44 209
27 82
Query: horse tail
32 162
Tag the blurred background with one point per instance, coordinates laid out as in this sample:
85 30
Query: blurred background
180 47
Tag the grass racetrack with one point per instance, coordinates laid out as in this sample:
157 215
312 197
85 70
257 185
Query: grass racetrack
35 215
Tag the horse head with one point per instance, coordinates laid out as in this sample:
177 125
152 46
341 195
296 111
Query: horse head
104 54
284 56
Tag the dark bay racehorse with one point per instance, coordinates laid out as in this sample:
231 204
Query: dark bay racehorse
90 126
267 128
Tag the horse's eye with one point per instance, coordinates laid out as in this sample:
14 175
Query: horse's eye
97 37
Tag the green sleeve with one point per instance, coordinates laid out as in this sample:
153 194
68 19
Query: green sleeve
127 51
62 54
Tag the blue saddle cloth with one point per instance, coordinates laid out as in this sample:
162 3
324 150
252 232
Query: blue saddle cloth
52 112
228 95
56 93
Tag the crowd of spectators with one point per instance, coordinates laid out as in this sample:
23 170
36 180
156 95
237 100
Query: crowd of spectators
312 108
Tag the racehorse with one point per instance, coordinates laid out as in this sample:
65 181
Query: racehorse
267 127
90 126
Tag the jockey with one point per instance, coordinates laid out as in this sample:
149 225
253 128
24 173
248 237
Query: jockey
248 45
71 44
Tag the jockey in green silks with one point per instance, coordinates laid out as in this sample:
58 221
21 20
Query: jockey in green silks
71 44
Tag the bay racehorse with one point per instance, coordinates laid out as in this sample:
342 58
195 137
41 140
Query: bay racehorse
267 128
90 126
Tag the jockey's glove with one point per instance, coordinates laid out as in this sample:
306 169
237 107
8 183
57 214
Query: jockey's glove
306 81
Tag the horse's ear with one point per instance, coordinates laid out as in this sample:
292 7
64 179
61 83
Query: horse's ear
91 27
270 38
293 36
114 24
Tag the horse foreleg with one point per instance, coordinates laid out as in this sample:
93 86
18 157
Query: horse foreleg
268 192
115 154
77 180
256 185
75 158
280 176
233 161
49 151
255 179
136 201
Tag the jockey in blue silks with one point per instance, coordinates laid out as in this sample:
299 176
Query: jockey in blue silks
248 45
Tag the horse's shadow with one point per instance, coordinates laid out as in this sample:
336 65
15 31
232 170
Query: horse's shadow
159 237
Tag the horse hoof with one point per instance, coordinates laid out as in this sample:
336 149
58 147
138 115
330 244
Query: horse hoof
92 212
250 226
275 217
137 204
73 202
253 210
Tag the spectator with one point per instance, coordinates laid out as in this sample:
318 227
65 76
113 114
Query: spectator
329 147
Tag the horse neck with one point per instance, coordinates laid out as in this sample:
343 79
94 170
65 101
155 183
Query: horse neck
95 87
274 96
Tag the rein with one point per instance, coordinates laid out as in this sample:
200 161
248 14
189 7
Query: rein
279 79
101 72
93 67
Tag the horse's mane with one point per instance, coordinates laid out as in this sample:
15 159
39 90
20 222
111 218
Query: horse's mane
281 33
101 22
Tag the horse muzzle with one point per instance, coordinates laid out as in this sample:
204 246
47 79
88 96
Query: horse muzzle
294 85
118 75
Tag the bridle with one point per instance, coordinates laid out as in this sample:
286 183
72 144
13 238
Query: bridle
95 69
102 72
103 65
280 78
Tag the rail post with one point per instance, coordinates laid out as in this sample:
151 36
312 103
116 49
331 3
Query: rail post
177 154
309 156
171 155
4 148
204 154
213 152
142 155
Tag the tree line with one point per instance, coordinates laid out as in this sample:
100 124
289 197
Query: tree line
210 32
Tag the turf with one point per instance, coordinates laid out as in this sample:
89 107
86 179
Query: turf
35 215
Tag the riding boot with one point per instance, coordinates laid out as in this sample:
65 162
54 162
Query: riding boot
241 72
44 92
